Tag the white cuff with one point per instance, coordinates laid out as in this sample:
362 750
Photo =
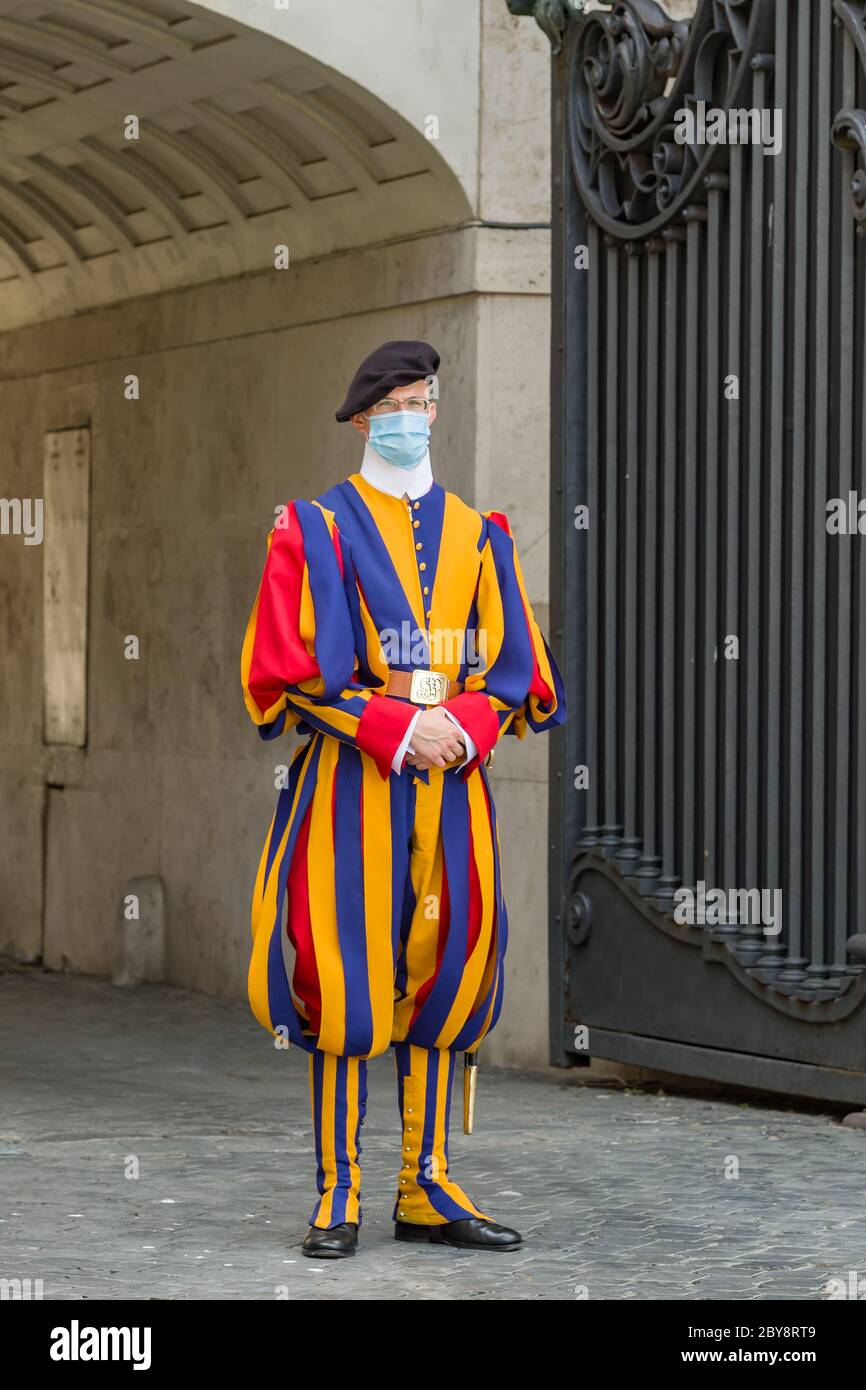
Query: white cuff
471 749
397 762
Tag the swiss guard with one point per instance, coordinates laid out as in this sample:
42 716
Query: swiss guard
392 630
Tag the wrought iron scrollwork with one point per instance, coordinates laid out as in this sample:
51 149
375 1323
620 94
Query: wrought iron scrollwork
634 69
849 127
849 133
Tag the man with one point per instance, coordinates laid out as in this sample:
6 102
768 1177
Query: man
392 628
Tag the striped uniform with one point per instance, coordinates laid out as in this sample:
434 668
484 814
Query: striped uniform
396 925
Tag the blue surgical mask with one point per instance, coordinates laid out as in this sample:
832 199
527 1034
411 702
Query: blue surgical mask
401 437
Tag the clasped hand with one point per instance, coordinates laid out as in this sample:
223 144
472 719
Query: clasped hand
436 741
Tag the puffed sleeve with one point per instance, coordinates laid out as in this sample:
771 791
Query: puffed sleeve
298 664
516 684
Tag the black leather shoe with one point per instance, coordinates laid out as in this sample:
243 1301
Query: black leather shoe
331 1242
471 1233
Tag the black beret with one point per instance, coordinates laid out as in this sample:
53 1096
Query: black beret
393 364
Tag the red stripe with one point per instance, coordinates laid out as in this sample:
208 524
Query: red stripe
479 719
305 978
381 729
495 850
501 520
475 900
279 656
441 941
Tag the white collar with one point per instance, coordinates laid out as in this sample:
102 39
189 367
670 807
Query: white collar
397 482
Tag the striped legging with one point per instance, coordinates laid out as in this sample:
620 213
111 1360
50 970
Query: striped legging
426 1194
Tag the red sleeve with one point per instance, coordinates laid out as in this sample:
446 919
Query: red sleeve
381 729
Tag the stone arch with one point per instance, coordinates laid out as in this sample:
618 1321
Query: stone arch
244 143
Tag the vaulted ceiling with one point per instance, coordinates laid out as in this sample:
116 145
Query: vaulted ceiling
243 143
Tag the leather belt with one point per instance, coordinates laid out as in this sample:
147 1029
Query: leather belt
422 687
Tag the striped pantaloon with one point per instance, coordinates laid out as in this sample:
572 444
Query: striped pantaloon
426 1193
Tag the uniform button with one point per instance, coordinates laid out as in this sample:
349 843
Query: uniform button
416 505
426 590
422 565
416 522
429 613
408 1150
418 545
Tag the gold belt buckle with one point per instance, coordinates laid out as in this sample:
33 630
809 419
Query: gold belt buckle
428 687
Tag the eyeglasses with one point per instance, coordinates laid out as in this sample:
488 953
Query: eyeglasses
390 404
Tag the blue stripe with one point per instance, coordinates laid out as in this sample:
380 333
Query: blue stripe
471 629
352 705
431 516
349 890
438 1198
343 1183
384 594
284 808
402 894
469 1031
316 1064
280 1006
559 715
334 639
364 674
274 728
510 675
341 1157
454 824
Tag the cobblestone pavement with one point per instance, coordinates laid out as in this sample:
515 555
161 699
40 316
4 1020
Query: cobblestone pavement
619 1194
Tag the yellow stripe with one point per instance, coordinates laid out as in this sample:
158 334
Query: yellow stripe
427 884
497 962
535 633
323 905
394 525
456 576
257 904
352 1113
469 993
329 1164
340 720
452 1189
376 658
376 859
264 912
491 618
307 632
264 895
414 1205
487 1017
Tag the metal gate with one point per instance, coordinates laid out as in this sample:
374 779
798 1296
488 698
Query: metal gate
709 389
